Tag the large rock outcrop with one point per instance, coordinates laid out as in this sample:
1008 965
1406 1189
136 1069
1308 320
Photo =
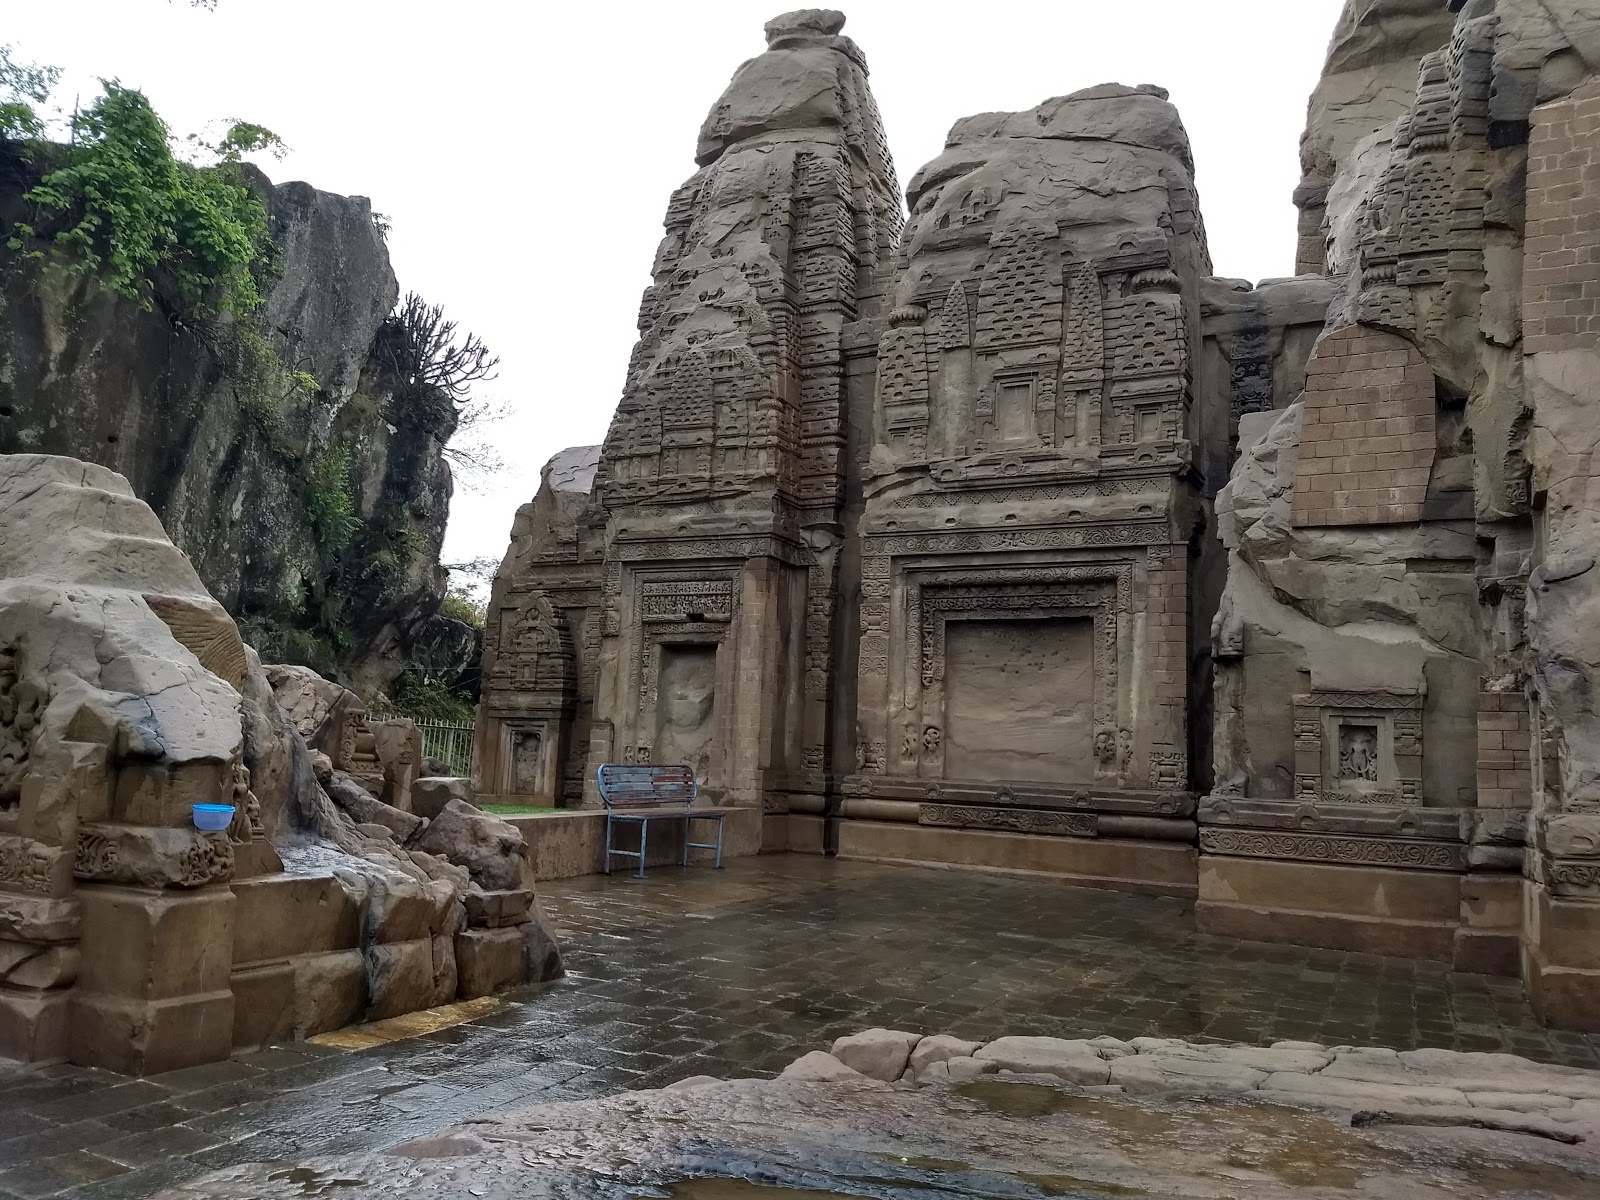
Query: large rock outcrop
1368 80
271 447
129 938
1407 639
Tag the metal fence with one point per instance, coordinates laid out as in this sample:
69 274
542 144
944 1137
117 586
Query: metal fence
450 742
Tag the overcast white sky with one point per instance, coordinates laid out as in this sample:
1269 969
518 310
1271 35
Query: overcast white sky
525 151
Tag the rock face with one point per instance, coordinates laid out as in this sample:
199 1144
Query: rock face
1404 647
246 463
129 939
1402 1125
1368 81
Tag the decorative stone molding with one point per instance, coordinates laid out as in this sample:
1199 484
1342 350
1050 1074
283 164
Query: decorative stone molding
1010 820
148 856
1322 848
30 866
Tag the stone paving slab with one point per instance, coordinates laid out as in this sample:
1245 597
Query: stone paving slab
739 972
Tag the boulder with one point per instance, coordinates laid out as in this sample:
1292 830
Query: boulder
938 1048
491 849
430 794
877 1053
1074 1061
961 1070
821 1067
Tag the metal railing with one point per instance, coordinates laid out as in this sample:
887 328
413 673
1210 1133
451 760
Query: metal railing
449 742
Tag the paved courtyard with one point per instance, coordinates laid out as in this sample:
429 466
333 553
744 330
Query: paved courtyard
737 973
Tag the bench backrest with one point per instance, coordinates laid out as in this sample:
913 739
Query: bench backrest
647 785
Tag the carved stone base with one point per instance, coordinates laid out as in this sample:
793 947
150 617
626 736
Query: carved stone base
1561 959
33 1024
1157 868
1374 910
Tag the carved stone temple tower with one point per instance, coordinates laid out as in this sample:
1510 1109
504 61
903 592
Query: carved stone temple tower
722 480
1030 549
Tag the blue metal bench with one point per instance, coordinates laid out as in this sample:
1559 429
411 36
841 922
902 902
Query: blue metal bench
639 793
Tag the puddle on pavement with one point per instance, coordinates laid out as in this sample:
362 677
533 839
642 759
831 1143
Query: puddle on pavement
925 1164
1532 1179
742 1189
1038 1100
1072 1185
1300 1149
313 1182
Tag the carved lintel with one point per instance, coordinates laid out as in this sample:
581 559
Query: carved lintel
1579 880
1010 820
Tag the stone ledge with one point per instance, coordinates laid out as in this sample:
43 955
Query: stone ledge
564 845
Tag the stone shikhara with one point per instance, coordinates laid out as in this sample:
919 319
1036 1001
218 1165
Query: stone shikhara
910 539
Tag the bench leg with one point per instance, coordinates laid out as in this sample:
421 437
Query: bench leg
719 844
644 838
608 843
688 826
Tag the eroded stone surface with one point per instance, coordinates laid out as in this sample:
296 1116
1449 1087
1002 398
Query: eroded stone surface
813 1129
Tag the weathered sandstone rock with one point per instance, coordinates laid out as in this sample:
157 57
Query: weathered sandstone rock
877 1053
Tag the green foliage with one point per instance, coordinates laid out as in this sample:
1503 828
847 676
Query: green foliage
126 209
424 697
329 501
391 545
459 605
261 380
23 85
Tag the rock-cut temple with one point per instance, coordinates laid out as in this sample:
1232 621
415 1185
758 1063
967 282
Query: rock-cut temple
1004 534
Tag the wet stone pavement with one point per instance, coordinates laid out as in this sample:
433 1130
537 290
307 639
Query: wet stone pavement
739 972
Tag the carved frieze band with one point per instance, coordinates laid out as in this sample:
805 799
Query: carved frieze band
1009 820
1125 534
29 866
1350 851
1574 878
152 856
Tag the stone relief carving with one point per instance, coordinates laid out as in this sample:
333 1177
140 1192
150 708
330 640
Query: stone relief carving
151 856
1012 820
28 866
1358 752
21 703
1323 848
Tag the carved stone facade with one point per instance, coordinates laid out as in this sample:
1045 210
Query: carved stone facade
541 654
1402 760
919 541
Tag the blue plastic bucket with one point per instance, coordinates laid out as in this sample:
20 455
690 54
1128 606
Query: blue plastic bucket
212 817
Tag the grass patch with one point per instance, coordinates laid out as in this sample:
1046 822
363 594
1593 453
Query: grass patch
516 810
